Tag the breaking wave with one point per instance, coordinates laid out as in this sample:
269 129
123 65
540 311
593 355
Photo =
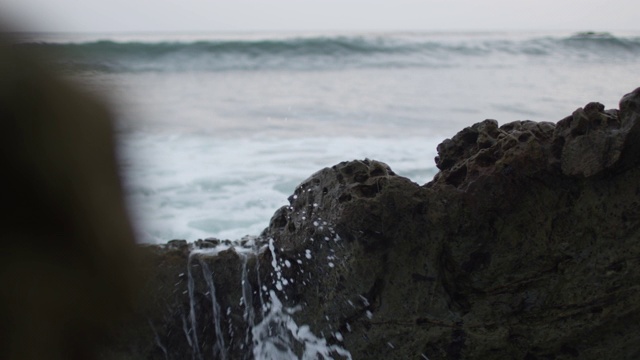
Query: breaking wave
317 53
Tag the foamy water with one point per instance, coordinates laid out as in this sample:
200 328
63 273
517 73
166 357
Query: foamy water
216 130
190 186
273 333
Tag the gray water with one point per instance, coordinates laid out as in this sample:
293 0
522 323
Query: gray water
216 130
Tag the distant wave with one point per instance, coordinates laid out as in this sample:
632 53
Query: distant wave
331 53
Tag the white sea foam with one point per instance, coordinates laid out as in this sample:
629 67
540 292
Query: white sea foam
277 336
196 186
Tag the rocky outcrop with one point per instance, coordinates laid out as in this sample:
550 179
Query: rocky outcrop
524 246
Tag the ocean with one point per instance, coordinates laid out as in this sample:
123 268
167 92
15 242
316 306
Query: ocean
215 131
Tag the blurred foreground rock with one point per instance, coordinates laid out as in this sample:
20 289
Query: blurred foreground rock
525 245
66 264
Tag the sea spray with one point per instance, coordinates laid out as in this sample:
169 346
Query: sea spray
278 337
274 333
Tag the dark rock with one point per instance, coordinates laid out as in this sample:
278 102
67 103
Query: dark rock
524 246
588 146
67 243
177 244
485 150
593 139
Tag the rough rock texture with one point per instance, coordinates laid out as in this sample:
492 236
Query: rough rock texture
524 246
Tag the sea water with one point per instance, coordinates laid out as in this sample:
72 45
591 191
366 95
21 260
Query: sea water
215 131
272 333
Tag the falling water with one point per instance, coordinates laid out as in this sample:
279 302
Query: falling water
247 298
276 336
192 333
219 350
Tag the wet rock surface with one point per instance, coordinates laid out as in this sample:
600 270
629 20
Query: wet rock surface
525 245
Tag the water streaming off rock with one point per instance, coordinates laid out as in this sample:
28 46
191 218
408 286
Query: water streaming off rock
271 330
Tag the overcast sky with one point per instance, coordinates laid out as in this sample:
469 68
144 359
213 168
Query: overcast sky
312 15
